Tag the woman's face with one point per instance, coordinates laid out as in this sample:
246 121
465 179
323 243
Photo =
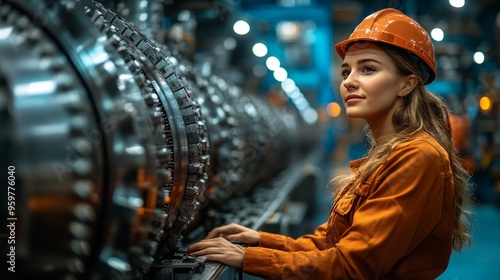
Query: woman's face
370 87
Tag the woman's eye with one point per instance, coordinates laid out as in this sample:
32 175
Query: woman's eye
345 74
368 69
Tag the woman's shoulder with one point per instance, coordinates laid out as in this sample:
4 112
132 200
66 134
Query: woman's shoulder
425 146
422 140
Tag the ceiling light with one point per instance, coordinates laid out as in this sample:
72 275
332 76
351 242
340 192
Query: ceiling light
259 49
288 31
241 27
288 85
280 74
457 3
272 63
479 57
437 34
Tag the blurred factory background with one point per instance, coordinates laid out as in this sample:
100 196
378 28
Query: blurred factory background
156 120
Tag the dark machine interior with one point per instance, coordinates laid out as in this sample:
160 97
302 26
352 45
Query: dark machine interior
126 147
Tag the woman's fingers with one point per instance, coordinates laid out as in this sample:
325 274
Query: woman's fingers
203 244
225 230
236 232
219 249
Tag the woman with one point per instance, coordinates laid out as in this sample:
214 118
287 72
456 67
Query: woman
399 214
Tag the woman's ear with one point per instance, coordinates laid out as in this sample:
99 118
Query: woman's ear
409 83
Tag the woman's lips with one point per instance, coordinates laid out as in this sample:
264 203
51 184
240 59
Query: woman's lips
353 99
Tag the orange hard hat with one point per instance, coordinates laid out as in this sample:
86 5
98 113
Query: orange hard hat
393 27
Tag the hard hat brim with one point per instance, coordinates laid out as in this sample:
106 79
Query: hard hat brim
340 49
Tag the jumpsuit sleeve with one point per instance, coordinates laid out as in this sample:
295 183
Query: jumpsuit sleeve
308 242
404 206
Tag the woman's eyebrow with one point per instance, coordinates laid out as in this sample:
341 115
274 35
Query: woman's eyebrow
361 61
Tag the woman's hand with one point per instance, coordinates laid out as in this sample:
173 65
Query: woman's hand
219 249
235 232
219 244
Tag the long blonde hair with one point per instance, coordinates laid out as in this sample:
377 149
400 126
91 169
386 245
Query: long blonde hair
421 111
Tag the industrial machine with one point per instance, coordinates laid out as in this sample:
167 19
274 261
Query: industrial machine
119 150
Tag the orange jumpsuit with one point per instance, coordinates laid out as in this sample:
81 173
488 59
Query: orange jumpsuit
398 224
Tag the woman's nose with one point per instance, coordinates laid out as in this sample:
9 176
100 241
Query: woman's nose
350 81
